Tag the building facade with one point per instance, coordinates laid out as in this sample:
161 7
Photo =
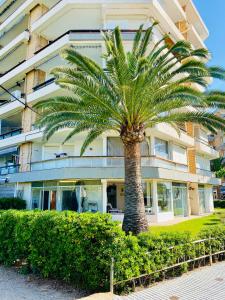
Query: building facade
177 180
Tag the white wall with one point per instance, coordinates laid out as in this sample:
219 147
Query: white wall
24 191
125 21
49 150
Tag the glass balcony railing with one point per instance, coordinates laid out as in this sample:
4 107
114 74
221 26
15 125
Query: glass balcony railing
11 133
11 169
103 162
43 84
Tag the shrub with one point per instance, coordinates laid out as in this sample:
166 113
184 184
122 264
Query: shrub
219 204
79 247
12 203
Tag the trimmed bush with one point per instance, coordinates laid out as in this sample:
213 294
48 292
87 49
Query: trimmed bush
12 203
79 247
219 204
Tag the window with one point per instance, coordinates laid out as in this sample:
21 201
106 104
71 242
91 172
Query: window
164 196
115 147
36 198
161 148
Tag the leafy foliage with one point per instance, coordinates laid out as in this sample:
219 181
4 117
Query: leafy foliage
12 203
79 247
219 204
220 173
136 90
216 164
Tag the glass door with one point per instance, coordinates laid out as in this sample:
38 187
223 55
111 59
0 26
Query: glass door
49 200
180 199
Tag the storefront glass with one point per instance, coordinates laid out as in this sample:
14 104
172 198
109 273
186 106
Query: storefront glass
180 199
164 196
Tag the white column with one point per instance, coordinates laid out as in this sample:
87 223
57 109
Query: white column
104 195
154 197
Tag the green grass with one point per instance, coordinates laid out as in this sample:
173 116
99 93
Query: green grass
194 225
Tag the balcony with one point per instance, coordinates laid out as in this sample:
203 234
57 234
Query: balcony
88 41
11 134
203 147
67 14
103 162
167 132
193 17
195 38
204 172
14 52
17 14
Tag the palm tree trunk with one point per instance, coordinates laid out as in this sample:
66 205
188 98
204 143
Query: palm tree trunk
135 220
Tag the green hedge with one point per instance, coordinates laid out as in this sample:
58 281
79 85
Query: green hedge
79 247
12 203
219 204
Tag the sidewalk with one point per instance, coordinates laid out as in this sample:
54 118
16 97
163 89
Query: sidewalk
207 283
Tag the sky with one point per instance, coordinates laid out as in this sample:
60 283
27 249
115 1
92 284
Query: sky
213 14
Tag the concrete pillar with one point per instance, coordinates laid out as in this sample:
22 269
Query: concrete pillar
191 152
25 157
104 195
36 42
183 27
32 78
193 198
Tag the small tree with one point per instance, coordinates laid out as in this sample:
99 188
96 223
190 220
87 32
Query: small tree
137 90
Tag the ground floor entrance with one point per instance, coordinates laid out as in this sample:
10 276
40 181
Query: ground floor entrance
163 199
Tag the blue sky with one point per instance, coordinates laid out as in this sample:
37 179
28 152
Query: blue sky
213 14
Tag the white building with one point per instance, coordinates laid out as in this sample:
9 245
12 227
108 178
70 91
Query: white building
176 168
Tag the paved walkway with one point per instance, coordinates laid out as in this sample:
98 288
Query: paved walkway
208 283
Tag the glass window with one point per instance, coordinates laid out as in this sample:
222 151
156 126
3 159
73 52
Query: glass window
69 200
147 189
180 206
36 193
161 148
164 196
82 198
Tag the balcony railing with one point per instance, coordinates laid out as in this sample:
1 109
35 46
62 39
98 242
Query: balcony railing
9 170
204 142
43 84
11 133
204 172
104 162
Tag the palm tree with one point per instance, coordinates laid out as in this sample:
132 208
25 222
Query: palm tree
135 91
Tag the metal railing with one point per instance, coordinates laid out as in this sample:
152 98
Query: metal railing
103 161
43 84
198 253
11 133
